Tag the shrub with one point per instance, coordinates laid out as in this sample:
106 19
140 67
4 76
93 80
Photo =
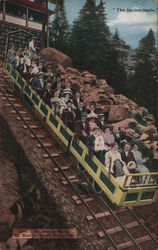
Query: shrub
133 125
139 118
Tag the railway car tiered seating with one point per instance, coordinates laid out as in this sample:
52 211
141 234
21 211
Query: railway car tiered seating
128 194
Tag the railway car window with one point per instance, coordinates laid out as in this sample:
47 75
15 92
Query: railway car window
44 110
65 133
21 82
53 120
147 195
131 197
107 182
27 90
91 164
77 147
35 99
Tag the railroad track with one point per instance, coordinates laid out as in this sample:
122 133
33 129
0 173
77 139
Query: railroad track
121 227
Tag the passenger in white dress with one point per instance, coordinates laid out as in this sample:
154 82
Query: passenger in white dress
111 157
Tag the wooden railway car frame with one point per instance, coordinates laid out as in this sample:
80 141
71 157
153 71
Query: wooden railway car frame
128 195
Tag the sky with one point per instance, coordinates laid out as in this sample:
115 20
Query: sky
132 18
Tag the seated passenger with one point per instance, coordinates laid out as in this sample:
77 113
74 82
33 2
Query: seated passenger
82 129
49 72
20 52
30 76
108 138
35 67
24 69
59 89
92 120
99 146
139 161
68 115
78 112
91 111
115 165
11 54
39 84
127 156
16 61
77 99
47 94
120 137
26 58
25 50
55 101
66 95
101 121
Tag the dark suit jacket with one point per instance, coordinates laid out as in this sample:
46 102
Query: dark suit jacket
79 129
21 69
128 158
36 84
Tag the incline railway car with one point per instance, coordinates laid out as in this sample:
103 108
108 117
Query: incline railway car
128 194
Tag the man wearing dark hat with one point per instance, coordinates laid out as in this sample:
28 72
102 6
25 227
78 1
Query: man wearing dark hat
68 116
59 89
101 121
24 69
78 111
39 83
82 129
30 76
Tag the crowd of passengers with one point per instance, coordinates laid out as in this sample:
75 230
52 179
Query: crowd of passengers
110 145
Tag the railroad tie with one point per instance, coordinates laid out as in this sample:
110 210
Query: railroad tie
31 126
62 168
53 155
118 228
78 201
71 178
39 136
21 112
15 104
25 118
99 215
47 145
127 244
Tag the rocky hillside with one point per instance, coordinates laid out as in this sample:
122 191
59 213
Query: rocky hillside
122 112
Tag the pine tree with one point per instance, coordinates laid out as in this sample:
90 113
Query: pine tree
145 86
59 28
103 19
121 48
89 39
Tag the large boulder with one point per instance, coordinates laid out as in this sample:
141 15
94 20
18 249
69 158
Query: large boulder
144 137
101 83
73 71
89 78
54 57
118 113
124 124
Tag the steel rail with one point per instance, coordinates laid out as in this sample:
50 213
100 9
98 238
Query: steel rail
98 196
55 162
145 228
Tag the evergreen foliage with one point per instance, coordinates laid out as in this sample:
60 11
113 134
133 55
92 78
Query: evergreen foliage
144 85
91 46
59 28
